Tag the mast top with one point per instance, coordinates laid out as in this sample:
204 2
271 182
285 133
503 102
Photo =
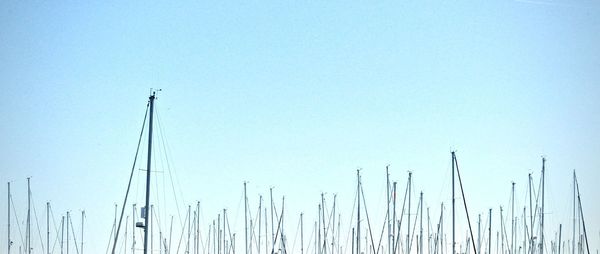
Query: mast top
153 92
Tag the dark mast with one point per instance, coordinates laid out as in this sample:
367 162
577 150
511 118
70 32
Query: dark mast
148 168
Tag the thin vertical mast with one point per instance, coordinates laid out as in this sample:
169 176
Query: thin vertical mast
324 230
559 236
387 214
582 218
502 230
148 170
524 229
490 234
301 234
9 242
478 233
421 225
28 217
333 248
573 240
512 217
187 247
272 224
442 238
531 216
358 212
82 218
453 201
62 234
394 220
542 213
259 223
198 227
48 226
67 232
116 229
245 219
408 224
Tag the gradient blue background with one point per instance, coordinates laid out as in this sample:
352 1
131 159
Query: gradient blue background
297 95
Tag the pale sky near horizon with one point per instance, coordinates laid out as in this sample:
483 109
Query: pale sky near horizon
297 96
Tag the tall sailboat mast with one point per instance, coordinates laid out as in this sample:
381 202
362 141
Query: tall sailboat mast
48 226
148 170
358 212
28 216
542 213
453 201
9 242
82 219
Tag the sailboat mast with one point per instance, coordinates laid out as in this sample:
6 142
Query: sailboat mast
82 219
490 234
387 173
394 219
531 216
582 218
48 226
453 204
245 219
9 242
573 240
272 224
67 224
148 170
301 234
421 224
542 214
512 217
62 234
358 212
408 224
559 236
28 216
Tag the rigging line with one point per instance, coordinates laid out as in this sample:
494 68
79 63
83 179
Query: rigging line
464 202
231 242
412 234
156 197
582 218
277 232
130 177
253 227
38 225
201 218
167 153
159 150
351 219
445 184
362 192
312 231
55 229
182 232
17 219
74 239
400 221
237 210
296 235
385 222
156 217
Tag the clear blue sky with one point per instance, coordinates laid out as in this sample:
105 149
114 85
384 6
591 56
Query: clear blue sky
297 96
